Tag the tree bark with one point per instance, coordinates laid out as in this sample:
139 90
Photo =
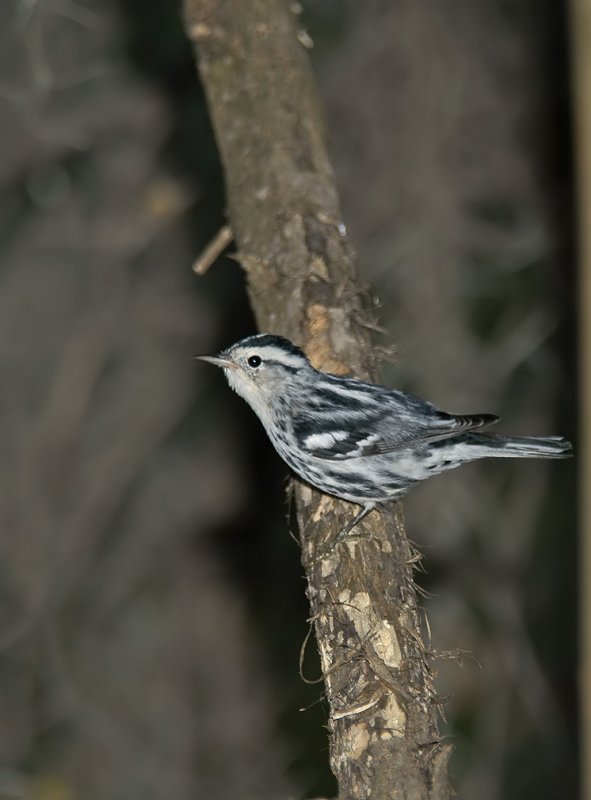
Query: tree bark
291 241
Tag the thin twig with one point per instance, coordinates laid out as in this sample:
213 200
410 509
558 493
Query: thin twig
213 250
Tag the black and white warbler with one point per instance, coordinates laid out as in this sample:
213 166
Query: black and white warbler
355 440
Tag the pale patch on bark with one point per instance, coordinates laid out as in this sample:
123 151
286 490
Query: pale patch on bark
319 269
326 503
320 349
395 719
356 740
326 652
379 633
305 494
327 567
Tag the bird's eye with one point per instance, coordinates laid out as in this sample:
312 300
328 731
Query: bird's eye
254 361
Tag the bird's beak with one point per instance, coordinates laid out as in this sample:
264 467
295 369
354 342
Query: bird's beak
219 362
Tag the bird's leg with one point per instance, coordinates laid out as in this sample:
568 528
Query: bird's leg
350 525
325 552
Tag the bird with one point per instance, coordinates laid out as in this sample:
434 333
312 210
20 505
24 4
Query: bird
359 441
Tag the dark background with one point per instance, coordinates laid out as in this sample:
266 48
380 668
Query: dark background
152 602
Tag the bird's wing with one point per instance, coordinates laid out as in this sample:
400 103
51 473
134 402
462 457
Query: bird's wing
380 423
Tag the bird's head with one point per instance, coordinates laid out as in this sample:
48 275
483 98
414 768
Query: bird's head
260 366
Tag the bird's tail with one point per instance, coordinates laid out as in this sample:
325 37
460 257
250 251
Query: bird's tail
522 446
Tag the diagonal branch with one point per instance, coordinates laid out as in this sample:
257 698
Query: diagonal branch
284 213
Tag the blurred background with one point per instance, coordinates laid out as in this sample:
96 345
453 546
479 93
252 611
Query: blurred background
152 604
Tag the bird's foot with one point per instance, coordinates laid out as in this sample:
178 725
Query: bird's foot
345 533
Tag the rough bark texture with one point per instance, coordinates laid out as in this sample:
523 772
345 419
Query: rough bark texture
284 211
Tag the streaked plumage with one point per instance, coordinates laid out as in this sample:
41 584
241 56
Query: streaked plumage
359 441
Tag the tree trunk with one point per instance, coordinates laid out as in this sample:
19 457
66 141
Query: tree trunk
291 241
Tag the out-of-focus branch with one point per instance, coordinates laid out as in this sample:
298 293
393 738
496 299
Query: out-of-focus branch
291 241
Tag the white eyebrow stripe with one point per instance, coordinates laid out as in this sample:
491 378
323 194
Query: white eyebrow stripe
270 353
323 441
